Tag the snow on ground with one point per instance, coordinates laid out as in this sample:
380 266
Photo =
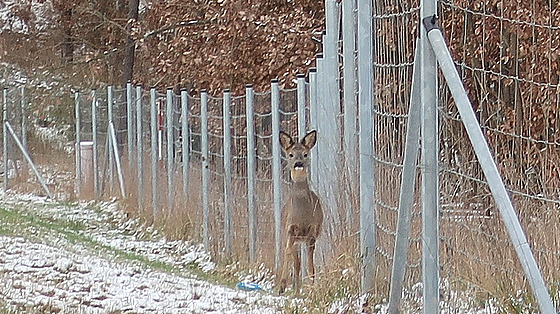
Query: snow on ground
51 272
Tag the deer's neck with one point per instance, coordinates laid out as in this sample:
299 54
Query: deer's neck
300 189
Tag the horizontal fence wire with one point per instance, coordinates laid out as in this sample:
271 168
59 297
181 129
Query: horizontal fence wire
508 61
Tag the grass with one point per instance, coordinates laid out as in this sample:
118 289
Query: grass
476 253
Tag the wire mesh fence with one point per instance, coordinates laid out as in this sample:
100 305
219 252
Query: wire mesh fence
207 162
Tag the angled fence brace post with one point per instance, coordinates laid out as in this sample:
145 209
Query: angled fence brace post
406 197
251 168
276 170
110 103
112 135
488 166
28 159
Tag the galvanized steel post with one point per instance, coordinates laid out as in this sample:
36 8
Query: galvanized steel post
313 119
350 103
366 143
129 123
276 170
329 141
5 136
301 100
169 134
139 148
154 149
185 141
226 102
96 190
430 169
251 168
205 169
77 144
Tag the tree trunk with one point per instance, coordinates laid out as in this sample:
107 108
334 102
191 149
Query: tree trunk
128 67
67 45
130 44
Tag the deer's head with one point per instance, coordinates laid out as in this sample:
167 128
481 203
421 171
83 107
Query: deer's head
297 153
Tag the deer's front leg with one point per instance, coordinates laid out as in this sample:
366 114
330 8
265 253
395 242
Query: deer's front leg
310 260
290 255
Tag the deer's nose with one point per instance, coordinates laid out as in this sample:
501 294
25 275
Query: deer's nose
298 165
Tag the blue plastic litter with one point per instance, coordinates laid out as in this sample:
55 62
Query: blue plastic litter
248 286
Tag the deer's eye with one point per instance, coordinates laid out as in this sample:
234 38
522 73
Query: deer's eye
291 155
305 155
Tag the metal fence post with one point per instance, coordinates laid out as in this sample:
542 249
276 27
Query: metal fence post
430 169
330 141
129 123
185 141
251 167
366 142
95 144
301 100
350 103
170 143
313 120
5 136
154 149
77 144
316 113
205 169
227 170
139 148
276 170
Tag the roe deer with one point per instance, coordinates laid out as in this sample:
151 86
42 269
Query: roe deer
302 215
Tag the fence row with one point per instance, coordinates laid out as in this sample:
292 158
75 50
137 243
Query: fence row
214 164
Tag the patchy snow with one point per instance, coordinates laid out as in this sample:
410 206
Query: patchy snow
51 272
12 20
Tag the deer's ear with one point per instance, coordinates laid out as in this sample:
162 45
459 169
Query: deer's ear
285 140
309 139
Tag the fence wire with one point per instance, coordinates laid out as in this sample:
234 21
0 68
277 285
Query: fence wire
507 55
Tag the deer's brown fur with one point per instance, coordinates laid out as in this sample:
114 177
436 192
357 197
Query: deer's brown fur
302 214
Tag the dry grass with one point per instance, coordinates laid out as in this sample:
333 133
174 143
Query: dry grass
478 262
477 259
